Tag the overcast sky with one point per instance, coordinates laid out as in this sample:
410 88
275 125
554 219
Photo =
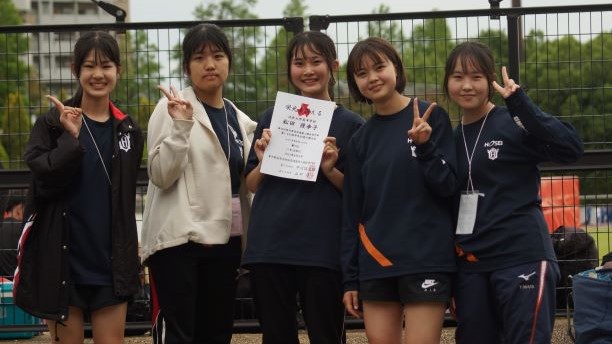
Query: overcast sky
182 10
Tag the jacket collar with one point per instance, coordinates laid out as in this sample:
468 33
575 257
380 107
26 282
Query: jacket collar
117 114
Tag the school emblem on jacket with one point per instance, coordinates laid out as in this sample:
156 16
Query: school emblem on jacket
493 148
124 142
492 153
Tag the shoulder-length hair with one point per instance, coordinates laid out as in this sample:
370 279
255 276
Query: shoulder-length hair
376 49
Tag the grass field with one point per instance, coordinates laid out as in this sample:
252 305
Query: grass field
603 238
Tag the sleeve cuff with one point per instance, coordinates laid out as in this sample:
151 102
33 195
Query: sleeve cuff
350 286
425 151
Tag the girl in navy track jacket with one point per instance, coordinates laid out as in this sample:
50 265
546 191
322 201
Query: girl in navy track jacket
397 243
505 289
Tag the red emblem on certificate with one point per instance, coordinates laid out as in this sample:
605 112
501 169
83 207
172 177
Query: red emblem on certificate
304 110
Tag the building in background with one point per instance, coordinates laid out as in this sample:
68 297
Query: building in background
50 52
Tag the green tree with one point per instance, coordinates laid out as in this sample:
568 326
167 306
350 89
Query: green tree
241 86
14 104
389 30
136 91
497 40
274 63
425 57
15 128
573 80
9 14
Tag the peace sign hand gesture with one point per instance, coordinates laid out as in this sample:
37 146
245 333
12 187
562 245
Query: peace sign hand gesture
178 108
71 118
509 85
421 131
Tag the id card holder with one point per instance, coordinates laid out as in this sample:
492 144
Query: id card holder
468 206
236 228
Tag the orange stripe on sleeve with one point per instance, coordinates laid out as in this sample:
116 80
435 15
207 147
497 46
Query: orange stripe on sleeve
375 253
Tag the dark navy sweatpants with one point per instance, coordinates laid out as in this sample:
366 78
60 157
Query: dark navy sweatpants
515 305
276 289
195 287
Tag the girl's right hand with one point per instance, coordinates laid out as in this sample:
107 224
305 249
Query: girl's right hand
71 118
178 108
351 303
421 130
262 143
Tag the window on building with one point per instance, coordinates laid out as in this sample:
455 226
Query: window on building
63 8
65 36
62 61
45 7
88 8
41 61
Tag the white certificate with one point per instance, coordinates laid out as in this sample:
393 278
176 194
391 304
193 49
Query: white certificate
299 126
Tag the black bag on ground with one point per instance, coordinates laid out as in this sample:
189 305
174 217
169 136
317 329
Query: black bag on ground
576 251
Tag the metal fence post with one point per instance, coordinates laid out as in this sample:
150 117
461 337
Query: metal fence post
514 43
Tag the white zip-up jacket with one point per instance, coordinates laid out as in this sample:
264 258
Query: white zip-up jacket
189 193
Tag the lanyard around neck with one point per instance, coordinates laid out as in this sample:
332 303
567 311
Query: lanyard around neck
98 150
469 155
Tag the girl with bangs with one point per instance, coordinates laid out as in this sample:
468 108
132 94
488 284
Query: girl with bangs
505 288
294 231
81 253
397 243
197 202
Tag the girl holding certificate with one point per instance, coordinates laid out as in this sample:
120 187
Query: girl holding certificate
505 290
397 242
294 232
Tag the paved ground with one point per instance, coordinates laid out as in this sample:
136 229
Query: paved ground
353 337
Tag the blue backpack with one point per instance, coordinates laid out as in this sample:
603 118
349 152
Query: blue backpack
592 293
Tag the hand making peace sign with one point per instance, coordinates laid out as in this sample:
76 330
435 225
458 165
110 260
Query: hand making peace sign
509 85
420 131
178 108
71 118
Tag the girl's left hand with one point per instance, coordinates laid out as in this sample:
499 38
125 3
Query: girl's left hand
421 130
262 143
330 155
509 85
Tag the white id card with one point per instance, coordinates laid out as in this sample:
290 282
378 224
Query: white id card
467 212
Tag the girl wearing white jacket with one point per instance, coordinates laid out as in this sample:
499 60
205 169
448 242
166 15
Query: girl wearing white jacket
197 203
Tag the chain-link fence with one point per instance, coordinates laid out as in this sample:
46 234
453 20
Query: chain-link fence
561 56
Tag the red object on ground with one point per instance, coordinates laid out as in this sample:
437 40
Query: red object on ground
560 201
